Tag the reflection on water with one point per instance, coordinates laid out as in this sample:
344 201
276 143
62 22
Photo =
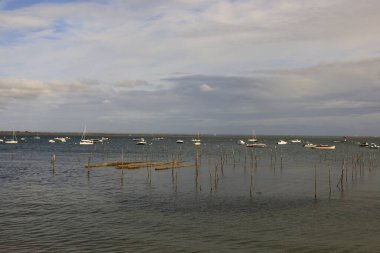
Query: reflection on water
229 198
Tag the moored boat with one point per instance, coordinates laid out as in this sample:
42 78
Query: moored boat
253 138
256 145
324 147
61 139
85 141
180 141
309 145
13 140
282 142
241 142
141 142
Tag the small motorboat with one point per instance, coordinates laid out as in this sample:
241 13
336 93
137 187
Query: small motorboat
324 147
296 141
364 144
197 143
373 146
86 142
309 145
256 145
241 142
180 141
61 139
282 142
51 141
141 142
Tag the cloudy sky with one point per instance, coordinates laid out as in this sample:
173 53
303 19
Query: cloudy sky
187 66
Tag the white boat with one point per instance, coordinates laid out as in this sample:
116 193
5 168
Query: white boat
180 141
324 147
241 142
296 141
196 141
373 146
85 141
61 139
309 145
256 145
282 142
141 142
13 140
253 138
1 140
51 141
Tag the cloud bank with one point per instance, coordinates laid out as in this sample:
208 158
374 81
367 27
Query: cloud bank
280 67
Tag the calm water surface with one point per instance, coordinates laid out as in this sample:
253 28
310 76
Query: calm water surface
236 200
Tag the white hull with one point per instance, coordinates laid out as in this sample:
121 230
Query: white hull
324 147
256 145
309 145
86 142
11 142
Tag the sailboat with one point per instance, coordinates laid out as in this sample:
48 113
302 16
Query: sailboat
85 141
197 142
13 140
253 138
37 137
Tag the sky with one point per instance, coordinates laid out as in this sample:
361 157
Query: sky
284 67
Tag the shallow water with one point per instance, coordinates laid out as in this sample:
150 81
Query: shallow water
237 199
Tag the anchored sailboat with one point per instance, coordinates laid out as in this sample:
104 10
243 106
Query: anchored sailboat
85 141
13 140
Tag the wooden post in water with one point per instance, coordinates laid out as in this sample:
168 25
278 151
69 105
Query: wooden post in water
315 182
88 168
53 162
122 156
329 182
122 178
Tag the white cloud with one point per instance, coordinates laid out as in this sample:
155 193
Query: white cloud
131 48
206 88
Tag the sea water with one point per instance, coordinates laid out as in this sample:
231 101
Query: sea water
227 198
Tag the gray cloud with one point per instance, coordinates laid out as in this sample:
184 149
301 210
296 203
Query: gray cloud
276 66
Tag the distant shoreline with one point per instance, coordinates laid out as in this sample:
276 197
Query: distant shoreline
31 133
